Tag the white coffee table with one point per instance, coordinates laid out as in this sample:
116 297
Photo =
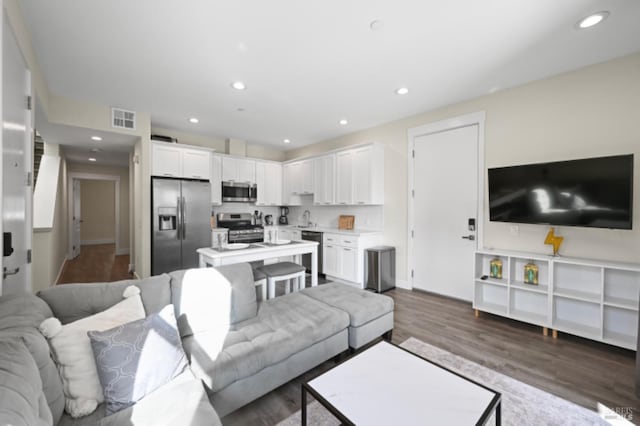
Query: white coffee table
387 385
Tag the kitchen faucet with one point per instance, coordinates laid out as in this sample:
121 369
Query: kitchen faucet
306 217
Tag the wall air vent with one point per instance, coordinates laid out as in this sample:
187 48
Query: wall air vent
123 119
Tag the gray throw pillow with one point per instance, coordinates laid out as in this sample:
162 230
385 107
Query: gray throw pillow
136 358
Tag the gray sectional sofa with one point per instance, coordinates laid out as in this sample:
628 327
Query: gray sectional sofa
235 355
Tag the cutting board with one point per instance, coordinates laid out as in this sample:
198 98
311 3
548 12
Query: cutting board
346 222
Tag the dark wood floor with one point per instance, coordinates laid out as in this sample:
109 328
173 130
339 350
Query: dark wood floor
572 368
96 263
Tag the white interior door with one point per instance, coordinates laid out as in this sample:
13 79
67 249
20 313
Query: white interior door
16 165
446 197
76 220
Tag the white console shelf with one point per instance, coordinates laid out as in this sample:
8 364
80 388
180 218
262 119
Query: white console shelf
588 298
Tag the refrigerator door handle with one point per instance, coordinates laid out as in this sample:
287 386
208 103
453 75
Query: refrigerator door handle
184 220
179 224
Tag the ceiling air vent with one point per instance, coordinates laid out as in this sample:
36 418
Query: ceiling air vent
123 119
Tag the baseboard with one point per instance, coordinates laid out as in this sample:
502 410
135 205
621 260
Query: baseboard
60 271
96 242
403 284
122 251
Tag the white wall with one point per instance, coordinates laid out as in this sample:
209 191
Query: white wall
589 112
50 244
98 212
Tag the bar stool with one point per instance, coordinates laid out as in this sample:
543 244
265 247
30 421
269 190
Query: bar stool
292 273
260 280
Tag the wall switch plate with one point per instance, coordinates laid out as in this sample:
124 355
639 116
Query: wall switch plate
514 230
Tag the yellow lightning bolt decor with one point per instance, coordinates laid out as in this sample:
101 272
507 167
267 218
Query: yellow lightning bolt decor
554 240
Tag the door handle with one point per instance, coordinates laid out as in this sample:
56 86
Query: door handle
469 237
184 220
179 214
6 272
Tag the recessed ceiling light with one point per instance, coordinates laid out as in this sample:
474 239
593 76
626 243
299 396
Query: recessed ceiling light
93 160
194 120
238 85
95 149
96 138
240 110
376 25
287 141
343 122
591 20
402 91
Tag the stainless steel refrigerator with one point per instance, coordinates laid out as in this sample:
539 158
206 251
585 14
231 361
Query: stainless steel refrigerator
180 223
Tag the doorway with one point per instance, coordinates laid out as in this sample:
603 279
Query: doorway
17 164
446 181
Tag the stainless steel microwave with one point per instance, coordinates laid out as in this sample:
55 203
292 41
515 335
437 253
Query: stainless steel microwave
239 192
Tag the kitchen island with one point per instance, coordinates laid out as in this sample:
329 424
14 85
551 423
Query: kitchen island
262 251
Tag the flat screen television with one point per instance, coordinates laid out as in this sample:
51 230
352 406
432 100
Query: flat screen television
590 192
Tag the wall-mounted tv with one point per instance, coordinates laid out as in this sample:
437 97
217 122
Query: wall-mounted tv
590 192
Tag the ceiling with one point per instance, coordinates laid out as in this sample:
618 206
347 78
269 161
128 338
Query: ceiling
306 65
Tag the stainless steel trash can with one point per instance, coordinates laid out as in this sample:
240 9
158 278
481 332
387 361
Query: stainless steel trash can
380 268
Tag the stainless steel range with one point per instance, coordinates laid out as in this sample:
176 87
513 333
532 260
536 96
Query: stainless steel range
240 226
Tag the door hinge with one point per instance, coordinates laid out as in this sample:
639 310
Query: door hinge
29 256
29 179
413 193
412 273
29 106
412 233
413 153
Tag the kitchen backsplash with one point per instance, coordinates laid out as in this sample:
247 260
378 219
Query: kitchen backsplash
246 208
367 217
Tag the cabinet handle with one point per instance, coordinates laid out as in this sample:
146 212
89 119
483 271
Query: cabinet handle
348 242
197 177
342 202
347 249
167 174
362 202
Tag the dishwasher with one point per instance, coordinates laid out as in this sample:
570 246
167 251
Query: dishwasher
306 258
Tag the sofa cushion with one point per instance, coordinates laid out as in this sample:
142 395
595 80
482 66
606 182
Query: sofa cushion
362 306
243 303
20 315
71 350
183 401
284 326
23 402
71 302
138 357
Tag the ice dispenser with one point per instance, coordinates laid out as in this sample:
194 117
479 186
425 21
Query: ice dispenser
167 218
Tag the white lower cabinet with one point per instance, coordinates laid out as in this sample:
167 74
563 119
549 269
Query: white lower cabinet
343 256
587 298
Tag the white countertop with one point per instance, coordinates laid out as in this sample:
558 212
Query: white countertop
257 248
355 232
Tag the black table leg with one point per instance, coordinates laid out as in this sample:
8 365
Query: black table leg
498 413
304 406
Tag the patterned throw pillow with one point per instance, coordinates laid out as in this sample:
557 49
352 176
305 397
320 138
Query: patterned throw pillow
136 358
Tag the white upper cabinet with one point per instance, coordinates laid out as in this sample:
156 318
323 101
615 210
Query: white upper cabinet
196 164
306 177
269 184
344 180
324 180
172 160
166 160
216 180
300 177
238 170
360 175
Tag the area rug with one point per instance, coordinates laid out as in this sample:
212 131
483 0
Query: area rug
522 404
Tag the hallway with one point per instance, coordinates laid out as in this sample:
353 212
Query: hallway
96 263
